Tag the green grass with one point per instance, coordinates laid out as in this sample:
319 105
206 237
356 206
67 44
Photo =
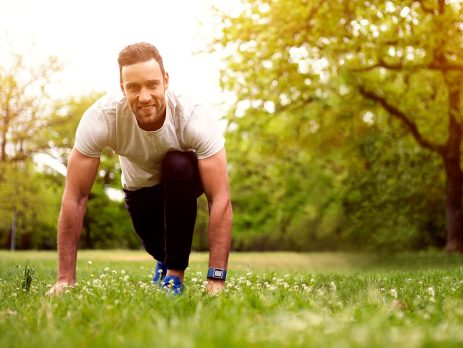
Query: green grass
272 300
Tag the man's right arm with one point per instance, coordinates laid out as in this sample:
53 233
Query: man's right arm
81 173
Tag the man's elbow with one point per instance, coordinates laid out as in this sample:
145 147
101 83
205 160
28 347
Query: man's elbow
222 203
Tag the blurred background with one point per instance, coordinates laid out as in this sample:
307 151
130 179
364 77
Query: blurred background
343 119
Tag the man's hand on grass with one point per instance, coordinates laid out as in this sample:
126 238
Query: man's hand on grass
59 287
215 286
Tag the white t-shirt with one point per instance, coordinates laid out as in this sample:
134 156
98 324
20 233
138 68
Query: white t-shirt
110 122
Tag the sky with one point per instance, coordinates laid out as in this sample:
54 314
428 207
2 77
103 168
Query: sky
87 35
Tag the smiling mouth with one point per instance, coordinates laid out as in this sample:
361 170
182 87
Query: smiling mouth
146 107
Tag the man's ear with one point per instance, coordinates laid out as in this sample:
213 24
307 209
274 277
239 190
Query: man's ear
166 80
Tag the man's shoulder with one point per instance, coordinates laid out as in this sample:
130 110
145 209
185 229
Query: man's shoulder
108 107
181 103
109 102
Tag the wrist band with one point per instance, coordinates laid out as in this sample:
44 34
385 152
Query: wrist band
217 273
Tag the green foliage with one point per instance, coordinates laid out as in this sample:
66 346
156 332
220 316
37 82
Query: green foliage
336 104
24 107
394 198
406 300
28 196
107 224
28 276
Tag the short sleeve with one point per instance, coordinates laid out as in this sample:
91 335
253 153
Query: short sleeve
92 134
202 132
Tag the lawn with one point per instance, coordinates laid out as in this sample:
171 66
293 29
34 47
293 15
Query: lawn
272 300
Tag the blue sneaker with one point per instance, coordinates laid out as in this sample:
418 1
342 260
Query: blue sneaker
159 273
173 284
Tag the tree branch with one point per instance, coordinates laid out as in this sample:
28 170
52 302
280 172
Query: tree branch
409 124
381 64
444 66
424 8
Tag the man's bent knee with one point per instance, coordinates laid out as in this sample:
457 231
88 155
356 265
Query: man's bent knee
178 165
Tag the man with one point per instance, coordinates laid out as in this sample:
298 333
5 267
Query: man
170 152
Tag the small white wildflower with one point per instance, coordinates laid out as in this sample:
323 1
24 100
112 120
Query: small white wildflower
106 269
194 280
312 280
123 271
393 293
431 292
89 262
333 286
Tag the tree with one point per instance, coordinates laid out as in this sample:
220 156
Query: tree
325 62
24 108
24 112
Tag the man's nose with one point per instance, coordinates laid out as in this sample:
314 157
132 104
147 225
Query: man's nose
144 96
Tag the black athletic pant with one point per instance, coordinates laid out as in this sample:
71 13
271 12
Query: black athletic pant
164 215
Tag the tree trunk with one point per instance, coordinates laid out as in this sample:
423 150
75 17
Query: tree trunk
454 185
453 206
452 157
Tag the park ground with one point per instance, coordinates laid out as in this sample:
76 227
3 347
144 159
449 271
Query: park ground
272 300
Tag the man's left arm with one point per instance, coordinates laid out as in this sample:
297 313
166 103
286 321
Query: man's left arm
214 177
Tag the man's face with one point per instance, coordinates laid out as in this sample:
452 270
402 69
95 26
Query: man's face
144 85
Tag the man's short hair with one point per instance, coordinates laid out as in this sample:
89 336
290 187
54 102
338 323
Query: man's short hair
137 53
